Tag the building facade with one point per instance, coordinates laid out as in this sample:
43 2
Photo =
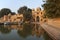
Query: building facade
38 15
12 18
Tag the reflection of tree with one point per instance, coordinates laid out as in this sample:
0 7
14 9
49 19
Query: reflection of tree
27 30
4 29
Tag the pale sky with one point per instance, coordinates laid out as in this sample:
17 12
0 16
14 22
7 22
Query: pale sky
14 5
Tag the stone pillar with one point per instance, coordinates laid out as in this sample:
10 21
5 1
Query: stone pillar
5 18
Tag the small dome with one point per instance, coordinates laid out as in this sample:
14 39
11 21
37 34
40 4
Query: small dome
33 9
38 8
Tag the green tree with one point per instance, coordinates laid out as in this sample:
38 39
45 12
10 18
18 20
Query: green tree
52 8
13 13
4 11
27 13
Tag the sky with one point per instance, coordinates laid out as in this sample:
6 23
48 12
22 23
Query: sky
14 5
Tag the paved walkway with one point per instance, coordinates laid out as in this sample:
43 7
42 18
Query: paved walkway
52 31
55 24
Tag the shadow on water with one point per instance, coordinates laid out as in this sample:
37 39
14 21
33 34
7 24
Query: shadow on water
27 31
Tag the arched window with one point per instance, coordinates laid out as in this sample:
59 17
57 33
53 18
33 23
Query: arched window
37 18
41 13
37 13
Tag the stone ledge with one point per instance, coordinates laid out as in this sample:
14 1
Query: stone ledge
53 32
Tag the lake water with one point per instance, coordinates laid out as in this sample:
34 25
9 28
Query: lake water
23 32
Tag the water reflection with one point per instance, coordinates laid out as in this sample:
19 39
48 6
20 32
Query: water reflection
4 29
27 30
37 30
23 32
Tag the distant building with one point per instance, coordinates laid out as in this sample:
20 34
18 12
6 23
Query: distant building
17 18
12 18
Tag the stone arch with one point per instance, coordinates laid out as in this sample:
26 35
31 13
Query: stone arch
37 19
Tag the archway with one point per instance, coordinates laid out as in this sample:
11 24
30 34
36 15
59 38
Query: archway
37 19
